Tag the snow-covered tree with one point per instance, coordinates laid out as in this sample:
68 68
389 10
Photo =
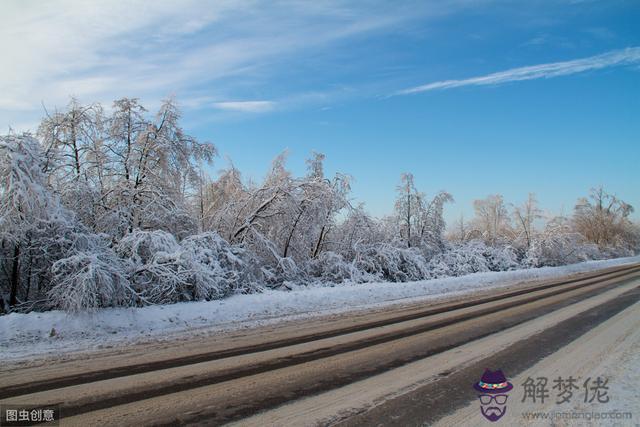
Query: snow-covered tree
491 220
408 202
116 209
524 217
46 251
524 232
431 223
162 167
603 219
559 244
460 230
25 202
420 221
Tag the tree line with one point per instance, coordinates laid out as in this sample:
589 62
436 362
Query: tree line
114 207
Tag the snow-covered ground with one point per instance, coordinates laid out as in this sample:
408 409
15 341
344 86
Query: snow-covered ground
29 335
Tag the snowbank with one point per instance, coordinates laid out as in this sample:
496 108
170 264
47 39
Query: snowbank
28 335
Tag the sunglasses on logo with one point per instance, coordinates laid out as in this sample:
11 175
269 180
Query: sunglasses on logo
486 399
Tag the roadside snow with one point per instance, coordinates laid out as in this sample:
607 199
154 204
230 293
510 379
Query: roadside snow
29 335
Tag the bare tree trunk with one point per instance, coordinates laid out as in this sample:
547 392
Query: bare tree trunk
201 203
293 228
254 216
316 249
15 276
74 141
126 159
29 263
408 217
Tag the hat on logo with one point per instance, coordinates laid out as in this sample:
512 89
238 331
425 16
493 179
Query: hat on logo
493 382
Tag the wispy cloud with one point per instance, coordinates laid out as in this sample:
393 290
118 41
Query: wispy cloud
246 106
610 59
188 48
201 52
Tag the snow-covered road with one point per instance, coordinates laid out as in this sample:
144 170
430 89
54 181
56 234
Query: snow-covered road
611 351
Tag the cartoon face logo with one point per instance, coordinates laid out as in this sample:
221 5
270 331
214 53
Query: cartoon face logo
492 389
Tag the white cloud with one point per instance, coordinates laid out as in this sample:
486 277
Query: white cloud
246 106
99 51
52 50
610 59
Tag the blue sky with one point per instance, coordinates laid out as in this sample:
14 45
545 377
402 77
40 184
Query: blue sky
472 97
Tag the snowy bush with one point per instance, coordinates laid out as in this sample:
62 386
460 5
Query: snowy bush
331 267
472 257
553 251
275 270
277 274
218 268
613 252
141 246
387 262
559 245
155 268
501 258
87 281
164 279
202 266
